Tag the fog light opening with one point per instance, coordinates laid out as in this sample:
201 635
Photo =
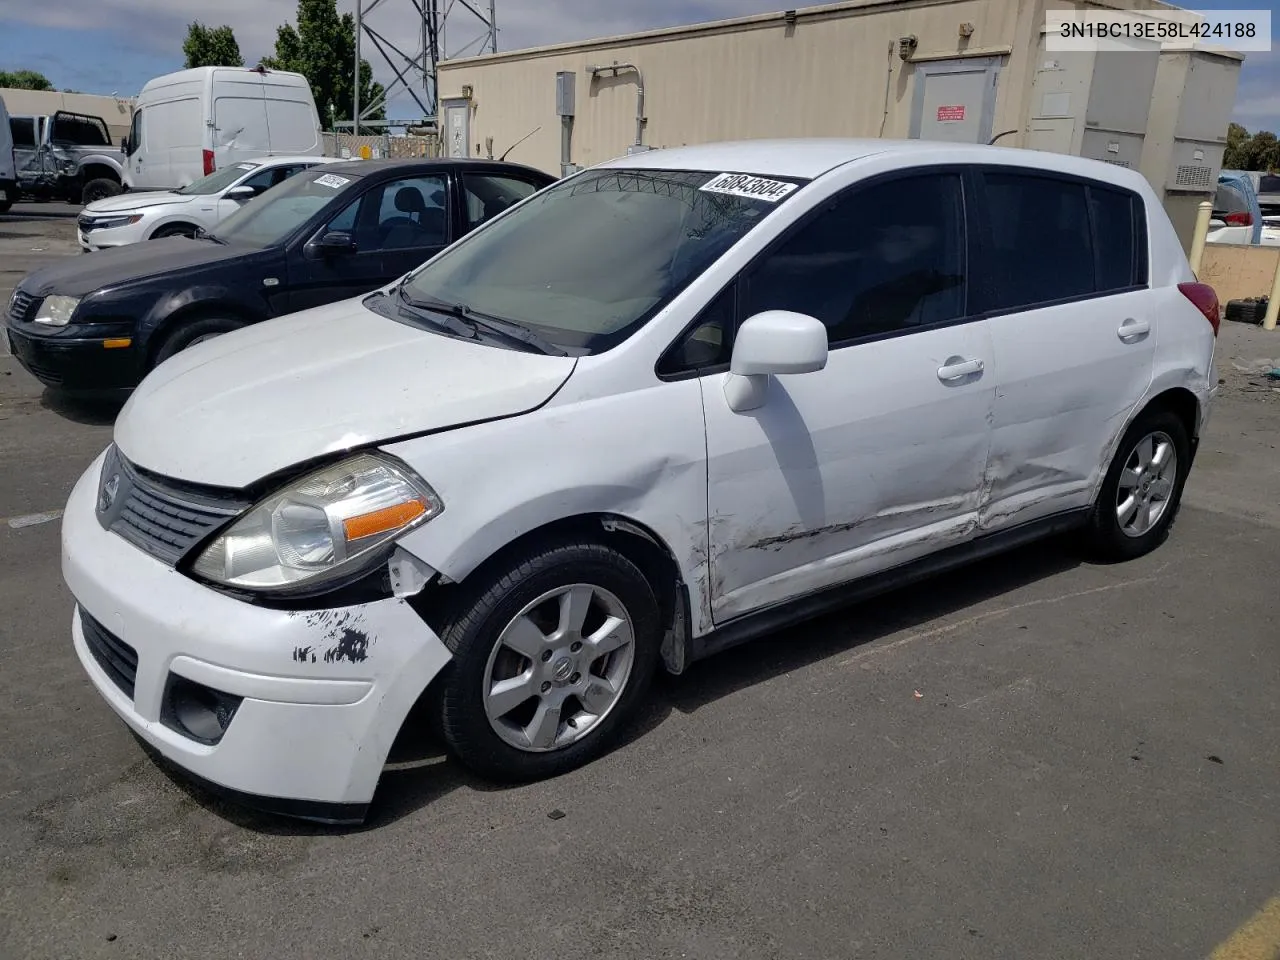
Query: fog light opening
196 711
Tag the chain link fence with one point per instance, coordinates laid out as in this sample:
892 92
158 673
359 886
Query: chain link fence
380 146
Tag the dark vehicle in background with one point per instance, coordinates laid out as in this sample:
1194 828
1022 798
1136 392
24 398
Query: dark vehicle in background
66 156
103 321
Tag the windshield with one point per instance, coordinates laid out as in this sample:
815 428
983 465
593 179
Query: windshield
217 181
586 262
271 217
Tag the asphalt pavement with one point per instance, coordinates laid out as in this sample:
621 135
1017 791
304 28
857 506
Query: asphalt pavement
1035 757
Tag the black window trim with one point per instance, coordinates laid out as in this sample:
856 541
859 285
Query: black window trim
981 240
967 187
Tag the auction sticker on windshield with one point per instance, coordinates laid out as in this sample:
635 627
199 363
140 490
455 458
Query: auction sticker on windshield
742 185
332 180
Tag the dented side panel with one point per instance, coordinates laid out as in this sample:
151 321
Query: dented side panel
640 455
843 472
1067 382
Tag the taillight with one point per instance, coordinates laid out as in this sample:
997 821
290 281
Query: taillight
1205 300
208 162
1238 219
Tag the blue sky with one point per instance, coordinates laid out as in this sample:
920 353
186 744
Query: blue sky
114 46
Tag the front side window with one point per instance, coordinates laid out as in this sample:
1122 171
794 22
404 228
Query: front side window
488 194
135 132
880 259
586 262
274 216
1041 246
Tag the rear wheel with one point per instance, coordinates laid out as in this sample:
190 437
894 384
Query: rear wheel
99 189
552 655
1142 490
188 334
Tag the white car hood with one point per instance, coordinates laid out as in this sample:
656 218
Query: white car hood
237 408
129 202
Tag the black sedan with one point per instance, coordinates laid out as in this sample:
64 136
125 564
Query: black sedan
103 320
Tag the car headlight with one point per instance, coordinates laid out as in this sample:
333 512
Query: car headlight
57 311
320 526
110 223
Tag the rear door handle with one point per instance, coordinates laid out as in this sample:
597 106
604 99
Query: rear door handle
1132 329
957 368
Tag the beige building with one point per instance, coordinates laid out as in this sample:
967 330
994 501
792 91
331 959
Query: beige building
116 112
959 70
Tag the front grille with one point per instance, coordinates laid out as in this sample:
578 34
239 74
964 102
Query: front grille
117 659
161 516
22 306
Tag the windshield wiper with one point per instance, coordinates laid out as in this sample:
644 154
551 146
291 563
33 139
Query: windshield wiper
203 234
471 319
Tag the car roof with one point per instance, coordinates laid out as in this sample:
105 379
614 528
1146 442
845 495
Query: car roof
811 158
366 167
276 160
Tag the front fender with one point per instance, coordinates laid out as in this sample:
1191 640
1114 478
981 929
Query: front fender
640 456
213 298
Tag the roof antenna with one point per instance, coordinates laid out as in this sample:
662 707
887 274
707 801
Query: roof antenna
520 141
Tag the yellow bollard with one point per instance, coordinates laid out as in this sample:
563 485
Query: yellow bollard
1273 305
1203 215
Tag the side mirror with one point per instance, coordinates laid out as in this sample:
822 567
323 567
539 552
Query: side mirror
769 344
124 145
241 193
335 243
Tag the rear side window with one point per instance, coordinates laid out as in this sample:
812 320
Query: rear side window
1269 184
23 130
1052 239
1041 249
1120 239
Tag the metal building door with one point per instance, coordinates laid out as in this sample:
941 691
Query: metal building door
457 128
955 100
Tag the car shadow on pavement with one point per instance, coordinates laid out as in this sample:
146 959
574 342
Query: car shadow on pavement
419 772
94 410
841 631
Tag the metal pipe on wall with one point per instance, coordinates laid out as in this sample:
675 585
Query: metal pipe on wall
355 84
615 67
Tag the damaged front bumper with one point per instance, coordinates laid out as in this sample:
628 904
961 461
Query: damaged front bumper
293 711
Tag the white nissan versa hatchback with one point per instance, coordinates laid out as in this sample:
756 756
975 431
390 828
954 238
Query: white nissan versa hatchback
656 409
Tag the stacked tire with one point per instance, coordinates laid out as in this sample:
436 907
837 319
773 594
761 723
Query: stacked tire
1250 310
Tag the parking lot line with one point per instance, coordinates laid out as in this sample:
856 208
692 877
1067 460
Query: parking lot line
1257 939
32 519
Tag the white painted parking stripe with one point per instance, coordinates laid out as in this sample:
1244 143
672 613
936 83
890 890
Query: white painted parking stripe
32 519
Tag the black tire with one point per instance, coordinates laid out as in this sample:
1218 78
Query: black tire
188 332
99 189
1105 538
174 230
477 621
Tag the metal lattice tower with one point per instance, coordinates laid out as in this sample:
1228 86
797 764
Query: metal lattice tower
416 74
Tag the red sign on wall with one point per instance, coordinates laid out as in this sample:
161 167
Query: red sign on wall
951 114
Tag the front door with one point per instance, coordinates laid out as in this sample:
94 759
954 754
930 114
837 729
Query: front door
1065 264
877 459
955 100
395 225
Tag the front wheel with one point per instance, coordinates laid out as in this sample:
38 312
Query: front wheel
99 189
1142 490
552 655
189 333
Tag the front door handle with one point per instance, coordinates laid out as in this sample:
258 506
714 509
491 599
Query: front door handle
1133 329
957 368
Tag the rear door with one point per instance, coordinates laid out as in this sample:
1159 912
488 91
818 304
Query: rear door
1062 274
486 193
239 119
292 124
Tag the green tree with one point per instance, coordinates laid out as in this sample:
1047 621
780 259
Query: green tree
211 47
24 80
1251 151
322 47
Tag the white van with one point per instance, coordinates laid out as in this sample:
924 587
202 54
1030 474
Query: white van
190 123
8 168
